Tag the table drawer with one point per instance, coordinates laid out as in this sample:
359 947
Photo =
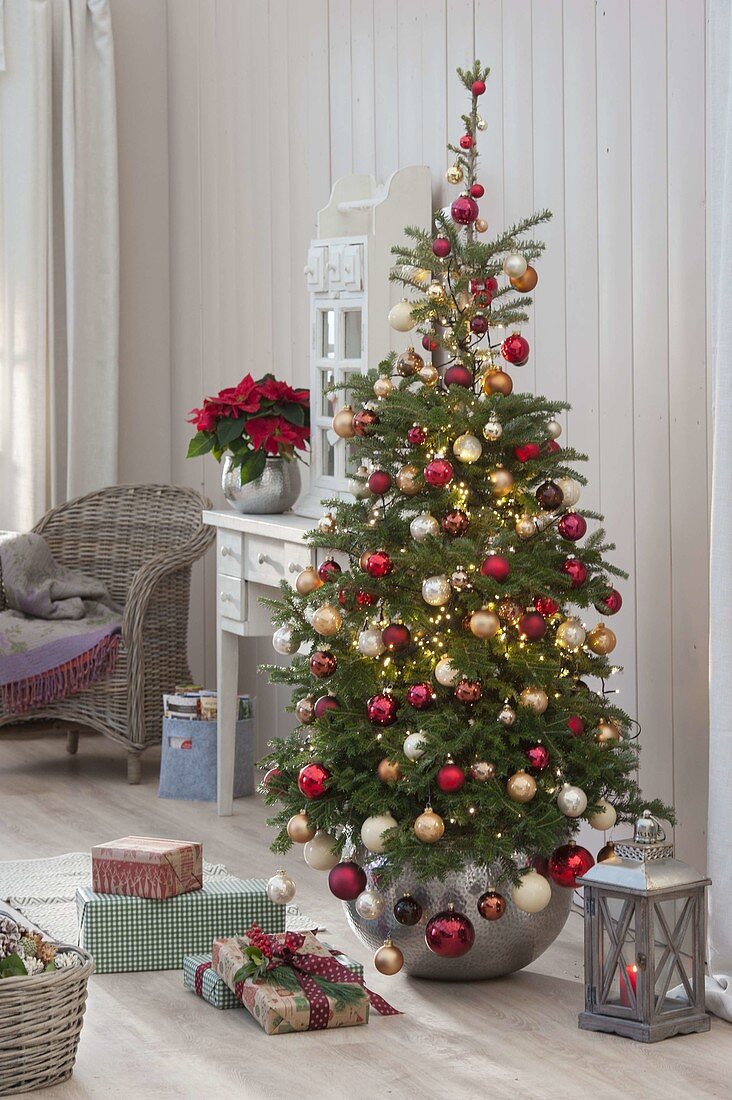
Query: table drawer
232 597
296 557
230 553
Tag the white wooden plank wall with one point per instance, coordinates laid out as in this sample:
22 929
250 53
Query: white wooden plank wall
595 110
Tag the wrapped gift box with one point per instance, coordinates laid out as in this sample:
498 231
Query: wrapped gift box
147 867
199 976
129 933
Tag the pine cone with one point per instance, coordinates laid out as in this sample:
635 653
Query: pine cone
47 953
9 936
28 947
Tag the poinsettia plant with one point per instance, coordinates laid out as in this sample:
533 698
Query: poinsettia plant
251 421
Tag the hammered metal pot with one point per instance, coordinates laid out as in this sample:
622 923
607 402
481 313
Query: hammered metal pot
500 946
274 491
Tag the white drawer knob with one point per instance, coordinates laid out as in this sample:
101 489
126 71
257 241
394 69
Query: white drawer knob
295 568
224 597
226 552
261 559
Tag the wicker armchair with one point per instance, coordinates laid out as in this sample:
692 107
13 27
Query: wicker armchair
141 540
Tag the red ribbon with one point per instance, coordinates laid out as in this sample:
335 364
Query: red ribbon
198 978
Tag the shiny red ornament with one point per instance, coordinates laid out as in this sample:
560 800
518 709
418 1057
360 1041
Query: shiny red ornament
396 637
324 705
455 523
382 710
420 696
552 447
549 496
364 420
515 349
347 880
545 605
457 375
538 757
450 778
491 285
477 285
576 570
527 452
496 567
429 343
379 482
441 247
611 603
479 325
468 691
575 725
568 863
466 141
532 626
477 87
329 569
464 210
438 473
449 934
323 663
364 598
541 865
379 564
312 780
572 526
416 435
491 905
361 598
274 781
477 191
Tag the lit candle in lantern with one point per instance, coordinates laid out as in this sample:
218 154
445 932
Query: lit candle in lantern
631 975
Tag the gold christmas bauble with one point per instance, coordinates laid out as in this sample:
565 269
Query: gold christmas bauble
501 481
481 123
493 430
570 490
307 581
388 771
497 381
509 609
388 959
607 732
454 174
408 363
435 292
343 423
429 826
428 374
383 387
327 524
421 275
299 829
534 699
304 710
507 716
327 620
408 480
467 448
484 623
601 639
521 787
480 225
525 527
400 316
526 282
571 634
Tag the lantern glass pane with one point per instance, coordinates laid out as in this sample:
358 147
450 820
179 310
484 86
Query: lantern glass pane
618 976
673 937
329 400
327 334
327 452
352 334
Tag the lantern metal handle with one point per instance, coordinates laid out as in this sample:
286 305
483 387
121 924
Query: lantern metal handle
648 829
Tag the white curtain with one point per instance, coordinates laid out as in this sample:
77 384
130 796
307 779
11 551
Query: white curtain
719 983
59 255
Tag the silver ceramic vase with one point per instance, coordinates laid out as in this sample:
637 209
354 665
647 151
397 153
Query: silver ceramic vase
500 947
274 491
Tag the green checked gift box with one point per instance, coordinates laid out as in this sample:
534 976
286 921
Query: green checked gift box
199 976
130 933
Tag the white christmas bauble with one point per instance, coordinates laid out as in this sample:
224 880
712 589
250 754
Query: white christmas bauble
605 817
570 490
571 634
359 489
319 853
532 894
572 801
467 448
370 904
373 829
446 673
281 889
436 591
370 643
515 265
400 316
285 641
554 429
414 746
424 526
493 430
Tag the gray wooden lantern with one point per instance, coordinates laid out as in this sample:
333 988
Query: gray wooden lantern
645 923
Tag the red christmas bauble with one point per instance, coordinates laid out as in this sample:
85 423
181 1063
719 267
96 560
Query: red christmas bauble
329 569
457 375
466 141
346 880
323 663
479 325
477 190
455 523
438 473
274 781
491 905
429 343
325 704
379 482
575 725
572 526
576 570
449 934
364 420
532 625
497 567
416 435
538 757
552 447
545 605
450 778
527 452
379 564
464 210
468 691
482 298
491 285
477 285
441 247
364 598
611 603
312 780
361 598
477 87
382 710
420 696
549 496
515 349
396 637
568 862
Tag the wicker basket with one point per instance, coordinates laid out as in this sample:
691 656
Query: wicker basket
40 1024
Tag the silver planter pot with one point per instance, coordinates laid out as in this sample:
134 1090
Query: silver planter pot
274 491
500 946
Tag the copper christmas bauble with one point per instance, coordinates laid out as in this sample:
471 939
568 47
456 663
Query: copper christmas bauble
526 282
534 699
549 496
327 620
343 423
388 771
299 829
481 225
606 852
307 581
460 579
364 420
468 691
525 526
497 381
521 787
409 362
407 911
493 430
601 639
507 716
501 481
509 610
408 480
607 732
388 959
481 771
323 663
484 623
428 374
383 387
455 523
305 710
429 826
491 905
435 292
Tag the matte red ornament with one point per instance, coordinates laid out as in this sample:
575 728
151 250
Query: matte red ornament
568 863
552 447
379 564
549 496
429 343
420 696
477 191
482 298
532 625
449 934
364 420
382 710
416 435
538 757
479 325
329 569
441 247
491 905
545 605
325 704
611 603
576 570
477 87
450 778
466 141
497 567
323 663
274 781
468 691
396 637
347 880
455 523
312 780
572 526
379 482
527 451
575 725
515 349
457 375
464 210
438 473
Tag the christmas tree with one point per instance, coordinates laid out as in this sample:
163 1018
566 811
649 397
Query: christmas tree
452 700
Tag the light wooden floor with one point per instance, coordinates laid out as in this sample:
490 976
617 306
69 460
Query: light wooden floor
145 1036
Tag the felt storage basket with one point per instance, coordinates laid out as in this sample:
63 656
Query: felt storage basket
40 1023
188 760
